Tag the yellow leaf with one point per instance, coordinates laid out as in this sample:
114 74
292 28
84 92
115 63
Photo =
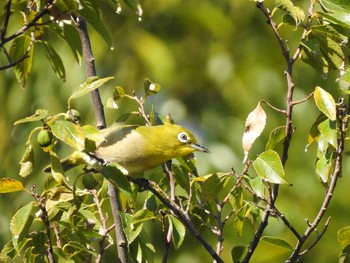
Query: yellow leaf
8 185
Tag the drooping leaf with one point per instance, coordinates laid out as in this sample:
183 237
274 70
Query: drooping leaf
71 36
258 186
323 166
238 253
117 177
314 132
21 222
55 60
69 133
328 129
254 125
27 160
344 237
276 241
91 11
37 116
88 86
20 48
276 136
179 231
325 103
269 167
8 185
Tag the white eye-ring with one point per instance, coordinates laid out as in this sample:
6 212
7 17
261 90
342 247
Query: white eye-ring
183 137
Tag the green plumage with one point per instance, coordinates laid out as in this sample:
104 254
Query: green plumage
139 149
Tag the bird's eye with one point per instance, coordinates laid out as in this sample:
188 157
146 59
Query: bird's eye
183 137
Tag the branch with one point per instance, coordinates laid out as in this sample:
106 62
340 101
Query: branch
101 123
166 200
329 194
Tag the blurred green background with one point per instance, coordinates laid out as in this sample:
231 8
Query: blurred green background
214 60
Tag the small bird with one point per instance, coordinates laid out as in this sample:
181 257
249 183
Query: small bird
138 149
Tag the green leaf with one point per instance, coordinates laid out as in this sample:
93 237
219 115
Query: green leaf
88 86
276 241
323 166
238 253
179 231
328 129
211 187
131 230
71 36
294 11
69 133
344 237
258 186
37 116
117 177
344 256
27 160
269 167
92 13
314 133
21 47
276 136
8 185
135 6
143 215
20 223
325 103
55 60
312 55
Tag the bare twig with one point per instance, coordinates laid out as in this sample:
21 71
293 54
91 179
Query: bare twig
273 107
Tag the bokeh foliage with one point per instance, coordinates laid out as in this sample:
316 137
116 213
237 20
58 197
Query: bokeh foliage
214 61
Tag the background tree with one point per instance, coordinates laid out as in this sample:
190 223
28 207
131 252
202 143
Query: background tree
214 65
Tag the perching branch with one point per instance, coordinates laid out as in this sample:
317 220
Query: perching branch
101 123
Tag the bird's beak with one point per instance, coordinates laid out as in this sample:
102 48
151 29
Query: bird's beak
199 148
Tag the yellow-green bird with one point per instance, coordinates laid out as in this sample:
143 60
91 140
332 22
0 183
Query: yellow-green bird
138 149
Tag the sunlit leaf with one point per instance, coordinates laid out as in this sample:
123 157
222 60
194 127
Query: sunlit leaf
325 103
21 221
69 133
323 166
276 241
179 231
37 116
254 125
22 47
143 215
8 185
269 167
294 11
344 237
328 129
27 160
314 132
258 186
211 187
276 136
89 85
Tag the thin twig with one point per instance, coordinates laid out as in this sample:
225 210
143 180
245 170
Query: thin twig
273 107
303 100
